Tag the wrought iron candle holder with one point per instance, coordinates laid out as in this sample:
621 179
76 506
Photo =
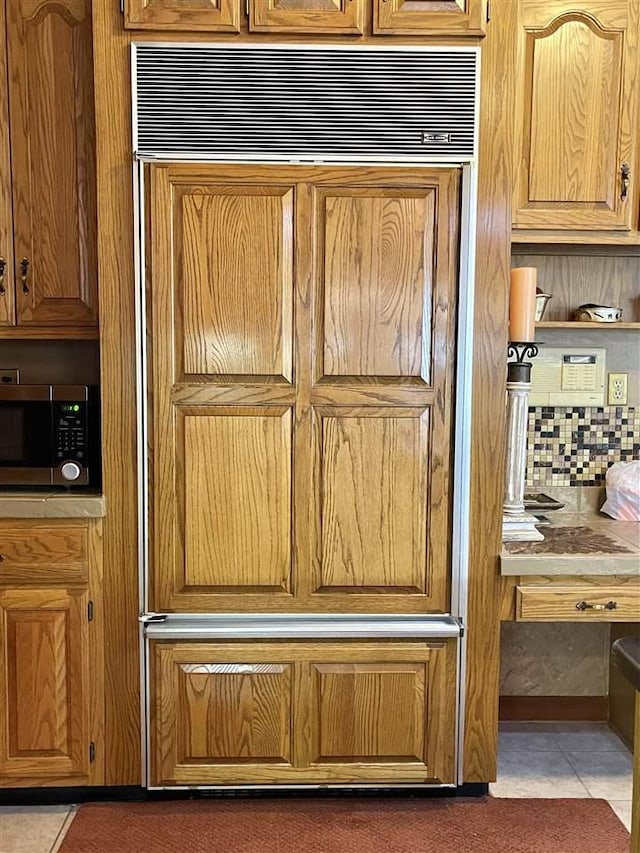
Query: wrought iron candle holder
518 525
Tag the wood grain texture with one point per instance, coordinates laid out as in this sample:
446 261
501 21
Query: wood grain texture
237 506
233 279
305 712
117 372
570 148
193 570
374 512
495 183
345 17
558 604
377 293
7 295
45 668
53 161
554 708
32 552
429 17
214 15
573 280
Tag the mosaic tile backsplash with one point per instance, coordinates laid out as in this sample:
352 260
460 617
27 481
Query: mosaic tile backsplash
574 447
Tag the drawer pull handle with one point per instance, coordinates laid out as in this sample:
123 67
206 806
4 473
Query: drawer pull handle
584 605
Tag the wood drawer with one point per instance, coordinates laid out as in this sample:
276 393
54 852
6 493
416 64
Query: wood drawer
43 553
577 603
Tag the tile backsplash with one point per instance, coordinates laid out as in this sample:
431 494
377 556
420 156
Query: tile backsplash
575 446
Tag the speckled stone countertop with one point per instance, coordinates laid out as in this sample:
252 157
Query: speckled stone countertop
577 544
51 505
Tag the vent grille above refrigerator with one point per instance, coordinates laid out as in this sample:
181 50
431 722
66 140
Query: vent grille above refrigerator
222 102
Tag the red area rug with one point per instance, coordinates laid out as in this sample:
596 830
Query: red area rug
348 826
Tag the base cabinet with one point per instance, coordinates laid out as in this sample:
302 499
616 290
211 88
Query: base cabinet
238 713
50 655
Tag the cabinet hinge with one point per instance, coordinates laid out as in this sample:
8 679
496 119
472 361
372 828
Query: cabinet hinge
90 611
246 7
92 751
488 10
122 7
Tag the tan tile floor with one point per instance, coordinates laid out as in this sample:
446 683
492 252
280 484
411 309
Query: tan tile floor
534 760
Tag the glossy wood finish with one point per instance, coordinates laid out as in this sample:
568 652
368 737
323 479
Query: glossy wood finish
495 186
51 655
45 670
214 15
327 485
31 553
429 17
556 603
570 149
7 303
302 712
345 17
53 161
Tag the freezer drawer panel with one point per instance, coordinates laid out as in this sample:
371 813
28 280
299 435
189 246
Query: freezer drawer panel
233 713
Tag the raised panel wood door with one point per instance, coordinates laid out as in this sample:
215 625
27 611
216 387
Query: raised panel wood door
574 147
302 712
302 349
53 161
429 17
45 730
7 306
307 16
214 15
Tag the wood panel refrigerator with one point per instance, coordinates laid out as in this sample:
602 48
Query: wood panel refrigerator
304 329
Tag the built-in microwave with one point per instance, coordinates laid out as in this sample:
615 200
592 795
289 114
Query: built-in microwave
49 436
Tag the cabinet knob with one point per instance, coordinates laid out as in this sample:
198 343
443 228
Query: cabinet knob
3 267
625 178
24 271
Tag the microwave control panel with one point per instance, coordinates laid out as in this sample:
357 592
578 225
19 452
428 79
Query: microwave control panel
70 431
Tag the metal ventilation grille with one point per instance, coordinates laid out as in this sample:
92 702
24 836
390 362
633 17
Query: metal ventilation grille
211 101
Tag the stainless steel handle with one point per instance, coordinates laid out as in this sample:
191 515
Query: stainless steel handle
584 605
24 271
3 267
625 179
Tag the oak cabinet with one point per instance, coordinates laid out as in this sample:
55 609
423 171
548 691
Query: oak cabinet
234 713
429 17
341 17
50 654
577 115
48 231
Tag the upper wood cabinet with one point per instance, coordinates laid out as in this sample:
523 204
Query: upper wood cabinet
346 17
51 267
577 106
429 17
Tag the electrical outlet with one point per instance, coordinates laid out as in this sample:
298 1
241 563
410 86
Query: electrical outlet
617 395
9 376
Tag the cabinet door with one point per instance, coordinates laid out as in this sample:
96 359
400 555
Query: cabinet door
45 728
53 161
303 712
7 310
303 340
576 126
214 15
307 16
429 17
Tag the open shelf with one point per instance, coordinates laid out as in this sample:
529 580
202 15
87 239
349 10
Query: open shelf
574 324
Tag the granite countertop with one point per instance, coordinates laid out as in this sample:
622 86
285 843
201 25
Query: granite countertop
52 505
577 544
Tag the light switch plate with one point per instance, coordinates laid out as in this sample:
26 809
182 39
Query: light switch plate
617 389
